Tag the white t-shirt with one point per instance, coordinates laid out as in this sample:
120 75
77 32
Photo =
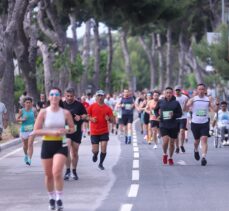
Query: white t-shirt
3 110
200 109
223 118
182 100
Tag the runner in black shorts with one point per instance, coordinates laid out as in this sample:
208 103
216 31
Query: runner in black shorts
79 114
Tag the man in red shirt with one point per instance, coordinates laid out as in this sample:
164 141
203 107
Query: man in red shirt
99 116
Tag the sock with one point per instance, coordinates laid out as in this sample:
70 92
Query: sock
102 157
74 171
51 195
58 195
96 153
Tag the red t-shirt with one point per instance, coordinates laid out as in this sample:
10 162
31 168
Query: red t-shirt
99 112
85 104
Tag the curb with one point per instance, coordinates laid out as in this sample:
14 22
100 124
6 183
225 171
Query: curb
9 144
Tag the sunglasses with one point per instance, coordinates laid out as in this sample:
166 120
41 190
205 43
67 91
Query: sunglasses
100 95
54 94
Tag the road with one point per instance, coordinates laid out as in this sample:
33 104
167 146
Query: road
134 180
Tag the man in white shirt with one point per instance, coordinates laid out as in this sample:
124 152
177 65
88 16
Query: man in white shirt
3 118
222 120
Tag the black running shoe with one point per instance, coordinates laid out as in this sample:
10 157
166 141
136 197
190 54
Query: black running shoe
177 150
52 204
101 166
75 176
59 205
203 162
182 149
126 140
196 155
95 158
67 175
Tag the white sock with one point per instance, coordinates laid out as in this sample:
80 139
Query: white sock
51 195
59 195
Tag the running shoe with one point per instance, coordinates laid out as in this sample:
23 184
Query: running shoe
170 160
129 140
165 159
28 162
59 205
177 150
182 149
196 155
126 139
112 130
95 157
101 166
155 146
67 175
75 176
26 159
52 205
203 162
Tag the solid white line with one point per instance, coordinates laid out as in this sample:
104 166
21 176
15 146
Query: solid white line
135 144
136 155
133 190
135 175
135 149
126 207
135 164
11 153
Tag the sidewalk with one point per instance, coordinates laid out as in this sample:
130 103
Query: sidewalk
9 144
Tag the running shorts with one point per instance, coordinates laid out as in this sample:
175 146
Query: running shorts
75 137
127 118
200 130
146 118
171 132
181 123
154 123
95 139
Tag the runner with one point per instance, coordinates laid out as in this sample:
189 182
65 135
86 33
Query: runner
99 116
200 105
127 105
182 121
50 124
138 103
26 117
41 103
79 114
154 123
168 110
3 118
85 126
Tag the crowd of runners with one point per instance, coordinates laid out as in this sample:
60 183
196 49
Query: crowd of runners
64 120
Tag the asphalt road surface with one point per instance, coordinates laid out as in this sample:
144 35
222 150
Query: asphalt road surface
134 180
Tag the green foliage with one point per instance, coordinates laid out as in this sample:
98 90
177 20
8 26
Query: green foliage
19 87
14 130
190 81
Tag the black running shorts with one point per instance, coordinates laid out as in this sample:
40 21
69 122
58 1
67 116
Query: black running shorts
154 123
75 137
50 148
181 123
95 139
127 118
200 130
171 132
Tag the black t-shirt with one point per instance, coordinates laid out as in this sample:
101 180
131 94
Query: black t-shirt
76 108
41 104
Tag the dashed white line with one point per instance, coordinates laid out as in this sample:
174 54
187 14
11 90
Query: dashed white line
126 207
133 190
135 175
136 155
135 149
135 164
135 144
182 163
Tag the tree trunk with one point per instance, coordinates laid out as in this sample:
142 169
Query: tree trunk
168 58
126 55
150 52
160 63
181 59
86 56
96 75
109 62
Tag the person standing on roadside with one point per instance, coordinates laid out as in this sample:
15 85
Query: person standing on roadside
3 118
167 111
26 117
79 114
200 105
99 115
50 124
41 103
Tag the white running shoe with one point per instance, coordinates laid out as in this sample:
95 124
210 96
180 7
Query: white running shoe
155 146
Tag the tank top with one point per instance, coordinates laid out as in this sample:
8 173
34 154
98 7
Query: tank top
27 125
200 109
54 120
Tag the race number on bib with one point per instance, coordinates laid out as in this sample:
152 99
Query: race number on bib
167 114
128 106
28 128
67 127
201 112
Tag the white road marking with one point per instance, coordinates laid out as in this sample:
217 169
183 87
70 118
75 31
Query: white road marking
135 144
135 149
135 164
126 207
133 190
182 163
136 155
135 175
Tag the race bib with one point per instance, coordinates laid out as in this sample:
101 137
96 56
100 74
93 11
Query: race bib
128 106
67 127
64 142
201 112
28 128
166 114
153 113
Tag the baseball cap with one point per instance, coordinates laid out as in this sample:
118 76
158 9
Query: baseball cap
177 88
100 92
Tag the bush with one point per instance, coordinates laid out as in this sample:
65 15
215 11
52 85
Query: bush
14 130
